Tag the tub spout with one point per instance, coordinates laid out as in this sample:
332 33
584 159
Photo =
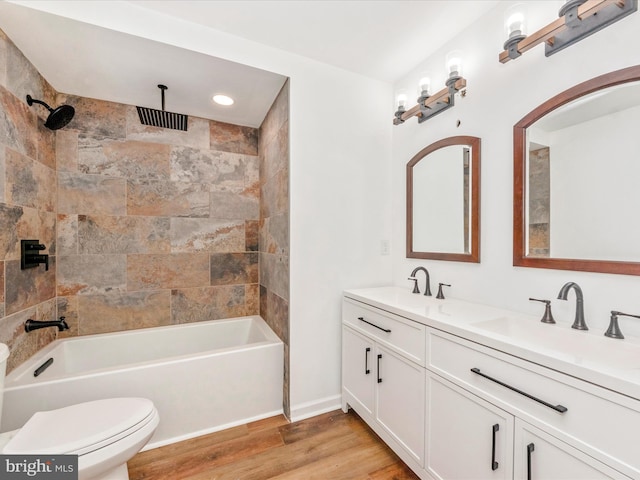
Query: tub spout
31 325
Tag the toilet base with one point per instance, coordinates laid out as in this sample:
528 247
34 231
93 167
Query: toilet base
119 473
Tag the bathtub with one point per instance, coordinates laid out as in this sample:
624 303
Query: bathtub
202 377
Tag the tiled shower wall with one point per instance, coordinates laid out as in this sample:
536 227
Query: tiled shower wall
27 203
274 224
155 226
144 226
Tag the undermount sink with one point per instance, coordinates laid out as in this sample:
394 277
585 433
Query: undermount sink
581 347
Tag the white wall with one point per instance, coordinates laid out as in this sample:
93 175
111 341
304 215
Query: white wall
498 97
340 148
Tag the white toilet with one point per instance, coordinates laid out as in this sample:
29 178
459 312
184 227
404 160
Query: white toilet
105 434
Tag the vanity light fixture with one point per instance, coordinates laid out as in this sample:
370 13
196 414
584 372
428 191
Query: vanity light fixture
429 105
577 19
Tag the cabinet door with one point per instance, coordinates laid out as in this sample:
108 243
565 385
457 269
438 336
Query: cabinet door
358 370
400 400
540 456
467 437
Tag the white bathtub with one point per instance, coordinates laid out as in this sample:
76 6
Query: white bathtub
202 377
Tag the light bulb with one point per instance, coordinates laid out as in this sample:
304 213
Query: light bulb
424 86
514 21
454 63
401 100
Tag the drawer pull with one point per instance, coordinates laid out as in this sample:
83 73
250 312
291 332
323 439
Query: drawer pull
530 448
557 408
366 361
494 464
374 325
379 357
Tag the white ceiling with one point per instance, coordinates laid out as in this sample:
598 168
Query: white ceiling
379 39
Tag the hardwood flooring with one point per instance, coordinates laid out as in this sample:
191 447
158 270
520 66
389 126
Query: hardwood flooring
333 446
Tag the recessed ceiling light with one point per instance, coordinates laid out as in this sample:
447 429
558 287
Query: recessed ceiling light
223 100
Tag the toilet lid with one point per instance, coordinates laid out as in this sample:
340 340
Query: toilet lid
75 429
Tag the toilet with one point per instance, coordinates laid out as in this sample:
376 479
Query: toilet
105 434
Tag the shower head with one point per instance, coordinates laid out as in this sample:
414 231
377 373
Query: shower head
162 118
58 117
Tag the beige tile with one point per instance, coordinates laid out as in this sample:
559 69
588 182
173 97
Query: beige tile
118 234
46 147
119 158
227 137
123 311
67 234
91 274
274 274
213 303
234 268
68 308
97 118
17 124
166 198
29 183
177 270
244 205
221 170
91 194
66 150
23 79
3 59
207 235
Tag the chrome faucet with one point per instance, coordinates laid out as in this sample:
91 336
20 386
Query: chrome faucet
427 289
578 323
31 325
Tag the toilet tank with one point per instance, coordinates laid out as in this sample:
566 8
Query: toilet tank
4 354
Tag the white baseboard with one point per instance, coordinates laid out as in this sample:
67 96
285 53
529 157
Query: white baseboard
316 407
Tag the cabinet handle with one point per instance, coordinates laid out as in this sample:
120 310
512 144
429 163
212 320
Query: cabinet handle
379 357
494 464
374 325
366 361
530 448
557 408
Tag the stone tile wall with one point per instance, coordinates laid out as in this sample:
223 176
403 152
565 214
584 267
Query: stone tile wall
27 203
144 226
539 203
155 226
274 224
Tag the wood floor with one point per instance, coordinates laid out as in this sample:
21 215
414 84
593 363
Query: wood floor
333 446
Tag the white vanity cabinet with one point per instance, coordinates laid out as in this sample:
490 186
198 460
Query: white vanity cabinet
453 407
381 379
466 437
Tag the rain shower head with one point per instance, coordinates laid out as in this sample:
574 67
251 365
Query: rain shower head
58 117
162 118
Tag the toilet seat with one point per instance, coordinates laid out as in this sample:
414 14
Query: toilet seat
82 428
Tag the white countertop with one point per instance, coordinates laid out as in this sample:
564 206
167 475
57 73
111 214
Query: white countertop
590 356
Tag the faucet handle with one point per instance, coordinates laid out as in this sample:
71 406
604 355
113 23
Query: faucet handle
548 316
440 295
415 284
614 330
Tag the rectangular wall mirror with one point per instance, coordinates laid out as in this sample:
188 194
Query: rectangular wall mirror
576 196
443 196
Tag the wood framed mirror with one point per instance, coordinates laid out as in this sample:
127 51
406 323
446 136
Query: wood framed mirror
443 201
576 177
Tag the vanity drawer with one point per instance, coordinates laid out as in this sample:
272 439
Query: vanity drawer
404 336
603 422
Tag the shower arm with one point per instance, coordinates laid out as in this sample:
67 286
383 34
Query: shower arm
31 101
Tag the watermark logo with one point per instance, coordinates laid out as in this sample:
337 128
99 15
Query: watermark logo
39 467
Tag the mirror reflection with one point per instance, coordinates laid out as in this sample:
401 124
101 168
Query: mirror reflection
582 178
576 170
442 201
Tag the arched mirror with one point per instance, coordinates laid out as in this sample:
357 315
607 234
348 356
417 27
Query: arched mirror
443 201
577 176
